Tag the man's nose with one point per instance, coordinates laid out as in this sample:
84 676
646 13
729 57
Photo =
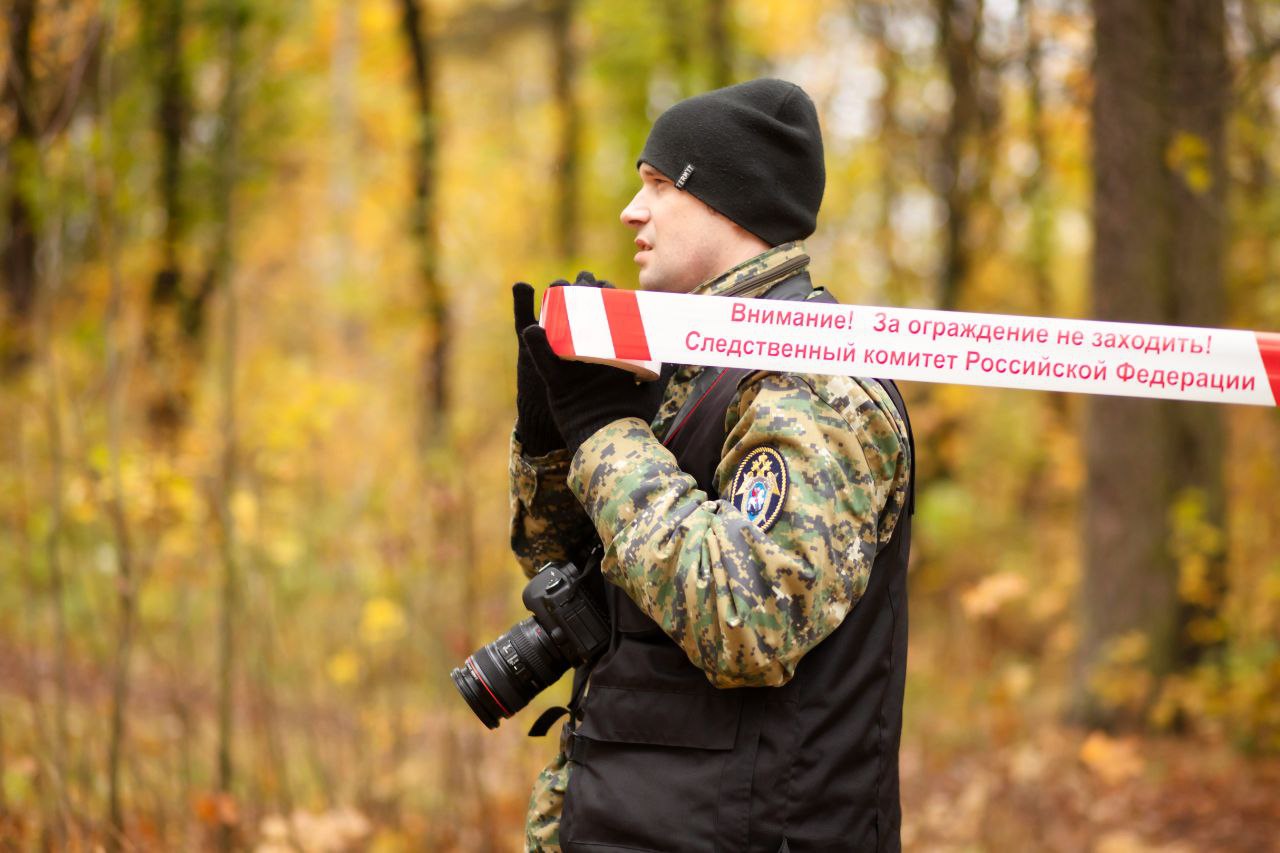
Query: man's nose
635 214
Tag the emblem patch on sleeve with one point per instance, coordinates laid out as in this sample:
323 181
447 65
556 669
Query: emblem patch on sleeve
760 486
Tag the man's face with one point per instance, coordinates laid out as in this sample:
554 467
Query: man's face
681 240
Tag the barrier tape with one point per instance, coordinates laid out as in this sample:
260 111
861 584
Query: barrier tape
639 330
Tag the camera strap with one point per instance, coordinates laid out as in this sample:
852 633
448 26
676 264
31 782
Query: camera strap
549 717
570 745
546 720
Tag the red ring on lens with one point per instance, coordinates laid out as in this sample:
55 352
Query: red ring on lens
475 670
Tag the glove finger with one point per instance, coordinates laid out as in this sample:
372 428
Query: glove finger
544 357
560 282
586 278
522 301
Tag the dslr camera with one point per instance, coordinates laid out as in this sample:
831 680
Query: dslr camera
568 627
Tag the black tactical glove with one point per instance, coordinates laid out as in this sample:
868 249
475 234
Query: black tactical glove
535 427
585 397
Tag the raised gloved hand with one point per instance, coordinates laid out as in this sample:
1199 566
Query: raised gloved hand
585 397
535 426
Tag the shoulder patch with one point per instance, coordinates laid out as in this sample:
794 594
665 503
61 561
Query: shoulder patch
760 486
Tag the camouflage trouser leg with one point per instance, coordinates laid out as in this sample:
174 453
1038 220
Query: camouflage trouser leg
542 826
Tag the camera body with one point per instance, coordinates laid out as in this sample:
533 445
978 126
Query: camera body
563 606
569 627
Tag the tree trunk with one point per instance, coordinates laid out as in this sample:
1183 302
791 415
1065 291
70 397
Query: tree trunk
36 119
1150 225
956 179
679 48
221 270
48 296
176 304
4 801
1039 243
1200 96
1258 223
18 253
875 17
959 27
50 804
115 383
414 20
267 676
566 166
719 42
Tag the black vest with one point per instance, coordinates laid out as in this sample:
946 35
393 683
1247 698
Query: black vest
665 761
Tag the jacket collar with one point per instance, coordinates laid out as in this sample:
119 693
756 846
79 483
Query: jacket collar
756 275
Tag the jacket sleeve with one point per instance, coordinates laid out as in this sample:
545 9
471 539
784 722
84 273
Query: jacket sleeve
547 522
743 603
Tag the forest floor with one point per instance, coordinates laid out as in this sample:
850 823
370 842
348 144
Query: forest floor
1067 790
1045 787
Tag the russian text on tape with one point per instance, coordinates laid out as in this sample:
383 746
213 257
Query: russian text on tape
1035 353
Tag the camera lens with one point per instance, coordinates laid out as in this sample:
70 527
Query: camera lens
501 678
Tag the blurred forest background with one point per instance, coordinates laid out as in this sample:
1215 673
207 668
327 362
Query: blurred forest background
256 388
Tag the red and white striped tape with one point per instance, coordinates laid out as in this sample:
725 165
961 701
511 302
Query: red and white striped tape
640 330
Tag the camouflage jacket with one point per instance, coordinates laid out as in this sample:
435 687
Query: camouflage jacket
744 604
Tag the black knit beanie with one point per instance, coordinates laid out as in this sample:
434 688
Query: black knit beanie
752 151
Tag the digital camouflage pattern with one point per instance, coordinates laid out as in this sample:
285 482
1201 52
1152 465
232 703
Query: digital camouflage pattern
744 605
751 278
678 389
542 826
756 275
547 521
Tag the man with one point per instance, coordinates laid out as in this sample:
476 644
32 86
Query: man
744 703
